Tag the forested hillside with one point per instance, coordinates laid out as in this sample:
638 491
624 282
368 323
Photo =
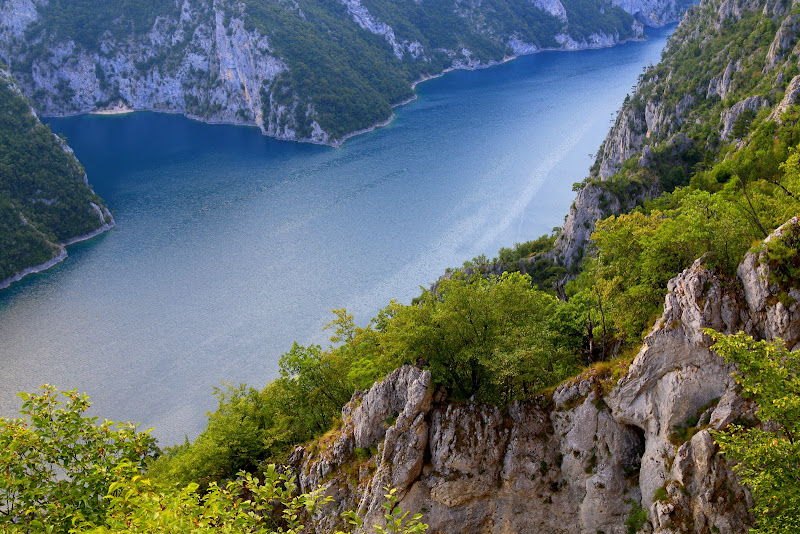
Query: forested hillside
719 93
299 70
44 198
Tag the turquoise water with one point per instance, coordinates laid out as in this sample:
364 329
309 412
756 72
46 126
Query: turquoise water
231 245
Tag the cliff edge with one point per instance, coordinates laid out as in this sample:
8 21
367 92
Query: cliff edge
604 447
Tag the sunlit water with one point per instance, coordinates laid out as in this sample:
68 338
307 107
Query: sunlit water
231 245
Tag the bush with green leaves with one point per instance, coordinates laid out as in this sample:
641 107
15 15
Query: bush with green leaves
62 472
57 464
267 504
397 520
492 338
767 455
250 426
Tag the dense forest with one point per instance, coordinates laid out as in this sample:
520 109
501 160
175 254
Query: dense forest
43 198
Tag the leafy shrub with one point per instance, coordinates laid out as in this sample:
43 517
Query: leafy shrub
637 517
767 457
58 464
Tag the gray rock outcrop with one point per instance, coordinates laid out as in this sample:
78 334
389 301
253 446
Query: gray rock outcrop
592 204
784 41
729 116
651 12
790 98
583 461
208 61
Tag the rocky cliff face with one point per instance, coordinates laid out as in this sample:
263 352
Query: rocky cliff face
219 62
650 12
201 63
688 103
583 461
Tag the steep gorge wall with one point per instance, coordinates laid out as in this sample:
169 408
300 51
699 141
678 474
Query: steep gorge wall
578 463
677 111
209 61
200 63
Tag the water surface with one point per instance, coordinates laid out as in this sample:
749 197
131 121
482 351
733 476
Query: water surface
231 245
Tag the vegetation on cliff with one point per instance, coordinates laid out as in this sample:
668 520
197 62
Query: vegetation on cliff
768 459
346 63
491 339
497 338
43 198
62 472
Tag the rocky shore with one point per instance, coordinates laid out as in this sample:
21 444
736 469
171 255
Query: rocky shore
218 69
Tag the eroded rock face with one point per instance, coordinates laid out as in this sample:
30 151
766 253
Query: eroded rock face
790 98
729 116
578 463
592 204
675 374
652 12
784 40
770 315
475 468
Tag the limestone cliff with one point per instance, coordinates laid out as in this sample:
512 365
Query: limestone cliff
274 64
687 107
581 462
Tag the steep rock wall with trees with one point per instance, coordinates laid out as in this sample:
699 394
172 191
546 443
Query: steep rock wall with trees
727 64
615 449
45 199
305 70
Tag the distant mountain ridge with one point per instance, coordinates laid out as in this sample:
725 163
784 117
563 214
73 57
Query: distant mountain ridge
297 69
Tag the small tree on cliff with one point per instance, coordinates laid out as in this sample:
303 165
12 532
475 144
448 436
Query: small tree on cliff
768 454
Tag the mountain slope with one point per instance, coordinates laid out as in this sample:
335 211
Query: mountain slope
726 68
45 201
298 69
605 454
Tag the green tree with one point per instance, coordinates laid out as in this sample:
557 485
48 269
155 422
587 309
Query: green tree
493 338
56 464
767 454
246 504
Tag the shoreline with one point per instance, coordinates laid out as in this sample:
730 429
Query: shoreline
338 143
118 111
119 108
478 66
111 112
62 255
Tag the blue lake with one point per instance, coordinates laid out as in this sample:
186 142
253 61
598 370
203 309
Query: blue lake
231 245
